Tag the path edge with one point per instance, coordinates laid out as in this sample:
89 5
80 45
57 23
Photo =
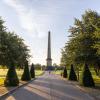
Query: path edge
13 90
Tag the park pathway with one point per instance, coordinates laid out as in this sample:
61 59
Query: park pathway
48 87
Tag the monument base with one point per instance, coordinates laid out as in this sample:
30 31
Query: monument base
49 68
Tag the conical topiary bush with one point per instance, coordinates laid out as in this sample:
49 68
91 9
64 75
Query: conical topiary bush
11 78
65 73
87 79
72 74
32 71
26 74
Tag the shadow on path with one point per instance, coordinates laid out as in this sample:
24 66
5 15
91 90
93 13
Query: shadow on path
48 87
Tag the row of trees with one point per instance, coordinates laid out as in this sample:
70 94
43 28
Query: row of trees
72 74
84 44
12 78
87 79
13 52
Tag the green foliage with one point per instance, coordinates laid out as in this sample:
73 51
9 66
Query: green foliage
12 48
32 71
11 78
38 66
63 58
84 44
72 74
87 79
26 74
65 73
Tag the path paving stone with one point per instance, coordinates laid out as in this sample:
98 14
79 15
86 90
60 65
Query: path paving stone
49 87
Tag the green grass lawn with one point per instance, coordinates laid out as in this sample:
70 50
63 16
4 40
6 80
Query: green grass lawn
38 72
57 72
95 77
3 73
1 81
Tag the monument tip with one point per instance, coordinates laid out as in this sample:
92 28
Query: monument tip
49 31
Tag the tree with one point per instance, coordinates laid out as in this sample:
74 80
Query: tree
12 48
87 79
3 37
32 71
13 53
17 51
26 74
65 72
11 78
83 46
97 46
63 58
72 74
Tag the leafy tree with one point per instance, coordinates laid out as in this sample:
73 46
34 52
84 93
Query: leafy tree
13 52
72 74
26 74
63 58
18 52
97 46
3 37
83 46
12 48
87 79
32 71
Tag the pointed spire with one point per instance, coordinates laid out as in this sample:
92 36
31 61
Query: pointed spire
49 60
49 46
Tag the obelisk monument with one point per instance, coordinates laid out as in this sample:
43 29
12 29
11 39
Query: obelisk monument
49 60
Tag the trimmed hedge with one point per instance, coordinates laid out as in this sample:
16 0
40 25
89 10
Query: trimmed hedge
11 78
26 74
32 71
65 73
72 74
87 79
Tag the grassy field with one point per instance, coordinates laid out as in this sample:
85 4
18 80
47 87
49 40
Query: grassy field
95 77
3 73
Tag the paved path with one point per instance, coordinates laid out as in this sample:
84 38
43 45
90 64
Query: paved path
49 87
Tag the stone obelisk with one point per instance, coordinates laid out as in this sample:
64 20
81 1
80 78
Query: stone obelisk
49 60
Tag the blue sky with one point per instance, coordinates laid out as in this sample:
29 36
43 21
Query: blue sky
32 19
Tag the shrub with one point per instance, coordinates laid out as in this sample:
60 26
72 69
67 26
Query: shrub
32 71
87 79
72 74
26 74
65 73
11 78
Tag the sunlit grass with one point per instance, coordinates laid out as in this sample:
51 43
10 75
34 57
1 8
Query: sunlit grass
3 73
57 72
39 72
96 80
95 77
1 81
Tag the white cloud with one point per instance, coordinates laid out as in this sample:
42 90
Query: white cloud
26 17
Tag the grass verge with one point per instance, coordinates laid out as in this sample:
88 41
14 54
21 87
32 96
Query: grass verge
95 77
3 73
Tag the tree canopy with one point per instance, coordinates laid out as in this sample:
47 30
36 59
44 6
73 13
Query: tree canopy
84 43
13 51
